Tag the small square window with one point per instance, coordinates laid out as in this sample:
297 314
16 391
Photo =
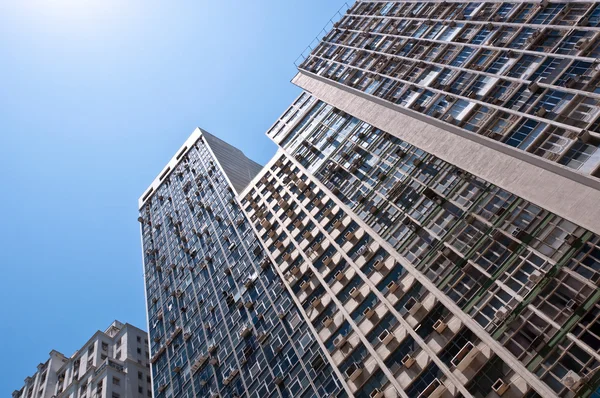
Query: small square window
116 381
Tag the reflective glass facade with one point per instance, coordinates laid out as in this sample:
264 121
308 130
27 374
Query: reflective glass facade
221 323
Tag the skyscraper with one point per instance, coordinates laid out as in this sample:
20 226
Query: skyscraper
111 364
221 323
433 205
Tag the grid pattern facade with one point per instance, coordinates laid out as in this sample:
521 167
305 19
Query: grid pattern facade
420 279
522 73
221 323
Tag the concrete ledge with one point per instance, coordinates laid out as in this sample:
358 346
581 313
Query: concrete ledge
558 189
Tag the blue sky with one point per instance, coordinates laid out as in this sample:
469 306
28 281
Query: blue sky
95 97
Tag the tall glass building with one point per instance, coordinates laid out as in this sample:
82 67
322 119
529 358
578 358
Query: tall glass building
434 204
221 323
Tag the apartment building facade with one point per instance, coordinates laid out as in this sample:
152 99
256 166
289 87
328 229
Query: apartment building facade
221 322
430 220
433 205
111 364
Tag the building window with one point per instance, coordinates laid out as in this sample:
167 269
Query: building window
116 381
139 350
139 339
140 375
115 395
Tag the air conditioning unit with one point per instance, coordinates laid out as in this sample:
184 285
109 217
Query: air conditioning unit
265 224
262 337
265 263
535 276
500 387
327 321
517 233
304 285
368 312
435 389
571 305
326 260
413 306
378 264
363 251
294 270
463 359
439 326
501 315
315 302
572 381
349 235
354 371
339 275
286 256
376 393
354 292
386 337
581 44
541 112
339 341
408 361
534 87
392 287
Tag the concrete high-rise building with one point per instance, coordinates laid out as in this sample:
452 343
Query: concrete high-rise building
431 218
111 364
434 205
221 322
